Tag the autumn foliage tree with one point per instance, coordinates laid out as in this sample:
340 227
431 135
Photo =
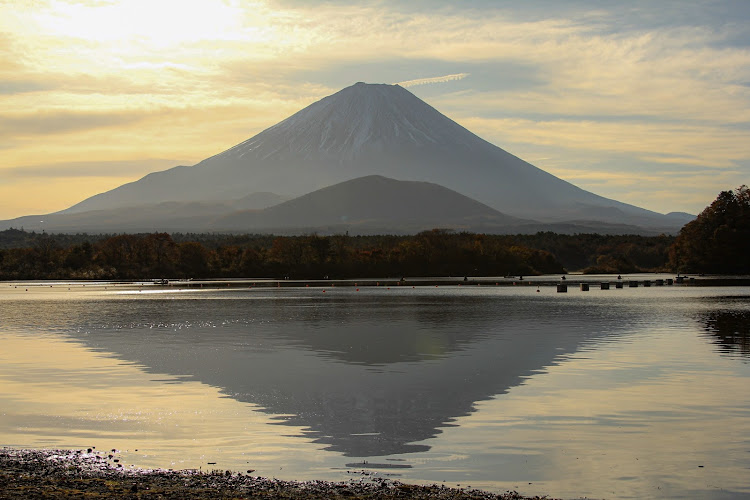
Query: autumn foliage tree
718 240
437 252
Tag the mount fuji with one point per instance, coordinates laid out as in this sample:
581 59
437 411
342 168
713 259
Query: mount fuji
364 130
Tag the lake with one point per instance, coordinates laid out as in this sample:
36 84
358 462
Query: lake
621 393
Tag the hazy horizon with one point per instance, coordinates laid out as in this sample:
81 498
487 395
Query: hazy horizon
642 103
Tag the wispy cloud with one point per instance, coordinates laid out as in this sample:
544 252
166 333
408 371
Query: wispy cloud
62 122
434 79
708 145
98 169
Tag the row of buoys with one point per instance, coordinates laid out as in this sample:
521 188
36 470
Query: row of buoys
604 285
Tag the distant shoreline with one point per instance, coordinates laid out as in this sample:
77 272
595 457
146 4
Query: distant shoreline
63 474
572 280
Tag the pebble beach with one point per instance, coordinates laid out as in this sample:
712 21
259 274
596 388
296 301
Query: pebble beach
92 474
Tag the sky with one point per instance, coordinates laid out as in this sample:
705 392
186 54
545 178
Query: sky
640 101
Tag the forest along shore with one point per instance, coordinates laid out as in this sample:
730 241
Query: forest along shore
59 474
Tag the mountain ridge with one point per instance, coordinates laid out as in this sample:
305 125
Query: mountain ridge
355 206
371 201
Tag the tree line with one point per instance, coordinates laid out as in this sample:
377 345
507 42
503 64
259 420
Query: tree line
25 255
718 240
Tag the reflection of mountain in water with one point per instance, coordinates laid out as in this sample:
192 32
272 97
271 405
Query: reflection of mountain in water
368 374
730 328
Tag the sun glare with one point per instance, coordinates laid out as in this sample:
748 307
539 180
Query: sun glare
159 23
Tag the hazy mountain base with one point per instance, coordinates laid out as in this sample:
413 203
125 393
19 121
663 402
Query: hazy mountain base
367 205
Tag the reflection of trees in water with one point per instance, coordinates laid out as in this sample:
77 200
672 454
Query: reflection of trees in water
730 329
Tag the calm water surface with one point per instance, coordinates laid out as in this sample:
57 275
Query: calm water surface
627 393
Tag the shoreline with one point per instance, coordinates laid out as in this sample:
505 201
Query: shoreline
571 280
63 474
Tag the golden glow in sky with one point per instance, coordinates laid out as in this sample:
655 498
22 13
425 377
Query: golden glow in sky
143 21
645 103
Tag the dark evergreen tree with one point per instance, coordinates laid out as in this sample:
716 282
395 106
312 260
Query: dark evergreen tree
718 240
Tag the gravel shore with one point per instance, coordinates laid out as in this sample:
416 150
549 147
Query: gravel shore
92 474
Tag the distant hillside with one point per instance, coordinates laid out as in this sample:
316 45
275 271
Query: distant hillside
369 204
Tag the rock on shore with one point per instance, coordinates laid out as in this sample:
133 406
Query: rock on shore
58 474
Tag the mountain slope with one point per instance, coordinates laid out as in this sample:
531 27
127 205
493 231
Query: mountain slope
370 203
171 216
375 130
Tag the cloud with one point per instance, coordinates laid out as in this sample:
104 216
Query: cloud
61 122
435 79
73 169
709 145
23 86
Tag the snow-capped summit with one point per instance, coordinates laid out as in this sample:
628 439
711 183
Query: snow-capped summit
354 122
374 129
